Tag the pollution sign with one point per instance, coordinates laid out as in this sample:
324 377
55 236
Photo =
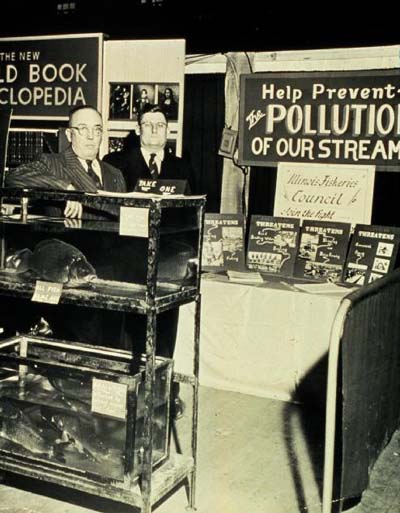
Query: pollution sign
47 76
350 117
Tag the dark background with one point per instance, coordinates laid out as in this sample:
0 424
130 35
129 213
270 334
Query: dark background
218 26
209 26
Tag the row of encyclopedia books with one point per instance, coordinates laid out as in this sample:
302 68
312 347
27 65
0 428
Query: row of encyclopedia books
313 250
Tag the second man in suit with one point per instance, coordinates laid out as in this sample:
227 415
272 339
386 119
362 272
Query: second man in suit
150 159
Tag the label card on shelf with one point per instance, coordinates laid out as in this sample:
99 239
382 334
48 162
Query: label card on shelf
47 292
134 221
109 398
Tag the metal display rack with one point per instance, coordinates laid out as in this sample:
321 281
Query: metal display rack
148 299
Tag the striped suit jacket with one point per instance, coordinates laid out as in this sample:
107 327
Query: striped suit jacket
59 170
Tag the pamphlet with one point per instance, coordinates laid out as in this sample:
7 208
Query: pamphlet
273 244
372 254
322 250
223 242
245 277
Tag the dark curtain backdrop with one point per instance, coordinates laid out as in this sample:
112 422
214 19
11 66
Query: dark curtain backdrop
203 124
385 206
262 191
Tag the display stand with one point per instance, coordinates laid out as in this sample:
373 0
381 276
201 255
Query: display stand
148 298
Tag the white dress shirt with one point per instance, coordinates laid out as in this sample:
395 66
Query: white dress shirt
95 166
158 158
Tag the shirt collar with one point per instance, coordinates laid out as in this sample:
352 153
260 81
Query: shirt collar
95 165
146 154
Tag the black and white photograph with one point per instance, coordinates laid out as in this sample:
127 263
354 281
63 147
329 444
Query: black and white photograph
168 100
199 257
120 101
144 95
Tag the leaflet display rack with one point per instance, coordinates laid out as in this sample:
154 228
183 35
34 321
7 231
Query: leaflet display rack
142 284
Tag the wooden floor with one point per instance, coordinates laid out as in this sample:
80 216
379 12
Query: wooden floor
255 456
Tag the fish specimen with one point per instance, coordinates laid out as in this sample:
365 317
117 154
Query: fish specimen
177 261
17 427
54 260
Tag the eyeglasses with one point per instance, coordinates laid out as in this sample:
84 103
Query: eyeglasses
85 131
160 125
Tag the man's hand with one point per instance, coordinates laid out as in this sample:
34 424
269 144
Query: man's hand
73 209
73 223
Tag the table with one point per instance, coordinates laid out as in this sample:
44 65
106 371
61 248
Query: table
257 339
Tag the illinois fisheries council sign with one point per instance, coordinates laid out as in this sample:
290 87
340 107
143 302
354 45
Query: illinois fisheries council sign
331 117
46 76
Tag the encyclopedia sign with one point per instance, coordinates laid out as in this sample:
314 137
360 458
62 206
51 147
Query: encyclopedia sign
350 117
45 76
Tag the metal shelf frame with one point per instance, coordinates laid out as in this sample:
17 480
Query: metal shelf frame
148 300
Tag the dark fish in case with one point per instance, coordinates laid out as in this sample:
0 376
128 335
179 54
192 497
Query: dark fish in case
54 260
177 262
78 435
17 427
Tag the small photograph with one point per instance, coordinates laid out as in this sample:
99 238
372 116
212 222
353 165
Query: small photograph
374 277
120 101
232 238
168 100
143 94
385 249
328 272
285 239
308 246
355 276
381 265
213 254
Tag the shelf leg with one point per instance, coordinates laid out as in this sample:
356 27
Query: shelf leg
147 469
195 406
191 488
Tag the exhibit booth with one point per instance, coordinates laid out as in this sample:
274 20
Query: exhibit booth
292 134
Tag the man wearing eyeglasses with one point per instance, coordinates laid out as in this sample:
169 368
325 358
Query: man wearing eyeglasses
150 160
76 168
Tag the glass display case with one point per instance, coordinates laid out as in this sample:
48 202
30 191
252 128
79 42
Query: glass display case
131 255
79 406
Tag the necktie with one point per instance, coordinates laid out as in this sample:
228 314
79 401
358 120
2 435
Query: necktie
93 175
153 166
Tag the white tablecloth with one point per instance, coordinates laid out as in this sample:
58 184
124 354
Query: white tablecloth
256 340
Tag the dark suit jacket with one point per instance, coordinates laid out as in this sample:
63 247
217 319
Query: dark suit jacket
58 170
133 166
